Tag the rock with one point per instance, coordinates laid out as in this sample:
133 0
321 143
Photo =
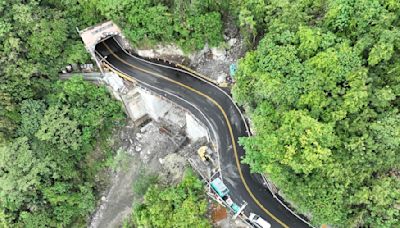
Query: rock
168 50
146 53
174 165
198 57
160 51
221 78
138 148
218 54
103 198
226 37
138 135
205 49
232 42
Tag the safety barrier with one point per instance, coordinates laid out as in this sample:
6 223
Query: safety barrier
212 83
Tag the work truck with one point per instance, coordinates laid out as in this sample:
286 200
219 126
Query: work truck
222 191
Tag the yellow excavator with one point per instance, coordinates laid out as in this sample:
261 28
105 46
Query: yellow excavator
205 154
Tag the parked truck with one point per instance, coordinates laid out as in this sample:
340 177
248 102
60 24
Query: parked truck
222 191
219 187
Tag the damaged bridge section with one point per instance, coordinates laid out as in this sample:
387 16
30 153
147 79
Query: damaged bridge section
143 101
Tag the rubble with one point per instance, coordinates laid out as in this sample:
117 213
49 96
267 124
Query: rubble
218 54
174 166
212 62
162 137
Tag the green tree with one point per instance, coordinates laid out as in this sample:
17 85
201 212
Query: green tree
20 175
189 24
56 128
321 89
47 128
177 206
248 25
32 112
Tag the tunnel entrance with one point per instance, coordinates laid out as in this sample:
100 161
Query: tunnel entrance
93 35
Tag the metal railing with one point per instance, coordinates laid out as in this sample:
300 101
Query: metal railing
193 73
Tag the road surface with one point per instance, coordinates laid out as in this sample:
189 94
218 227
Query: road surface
218 112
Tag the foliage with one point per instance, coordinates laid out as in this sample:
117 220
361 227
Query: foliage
59 130
322 90
143 181
48 128
30 59
190 25
30 56
32 112
251 18
43 178
174 206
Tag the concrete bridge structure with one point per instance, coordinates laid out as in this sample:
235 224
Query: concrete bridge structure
144 102
208 106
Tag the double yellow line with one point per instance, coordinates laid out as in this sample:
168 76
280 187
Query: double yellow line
225 117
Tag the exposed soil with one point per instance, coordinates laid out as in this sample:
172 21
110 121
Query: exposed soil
116 205
148 147
155 147
211 62
218 213
215 62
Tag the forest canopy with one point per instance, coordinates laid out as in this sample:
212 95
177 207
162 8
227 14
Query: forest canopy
322 91
183 205
49 128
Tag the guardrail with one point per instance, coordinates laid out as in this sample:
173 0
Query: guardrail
217 199
268 186
249 133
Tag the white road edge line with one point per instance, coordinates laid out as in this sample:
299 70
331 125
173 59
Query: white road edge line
187 72
241 114
183 71
180 98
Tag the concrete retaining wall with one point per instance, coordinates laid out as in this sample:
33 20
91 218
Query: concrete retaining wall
193 128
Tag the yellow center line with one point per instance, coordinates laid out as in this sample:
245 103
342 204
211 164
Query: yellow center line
227 122
122 75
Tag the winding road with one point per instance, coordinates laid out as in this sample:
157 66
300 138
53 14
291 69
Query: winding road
215 108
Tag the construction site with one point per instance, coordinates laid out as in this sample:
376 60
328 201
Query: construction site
161 137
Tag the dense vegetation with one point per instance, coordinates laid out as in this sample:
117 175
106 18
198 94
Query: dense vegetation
48 129
183 205
190 24
46 177
322 90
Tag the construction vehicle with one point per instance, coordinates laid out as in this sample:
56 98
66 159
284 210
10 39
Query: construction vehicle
222 191
219 187
205 154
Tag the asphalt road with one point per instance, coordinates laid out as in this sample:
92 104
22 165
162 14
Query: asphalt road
217 111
